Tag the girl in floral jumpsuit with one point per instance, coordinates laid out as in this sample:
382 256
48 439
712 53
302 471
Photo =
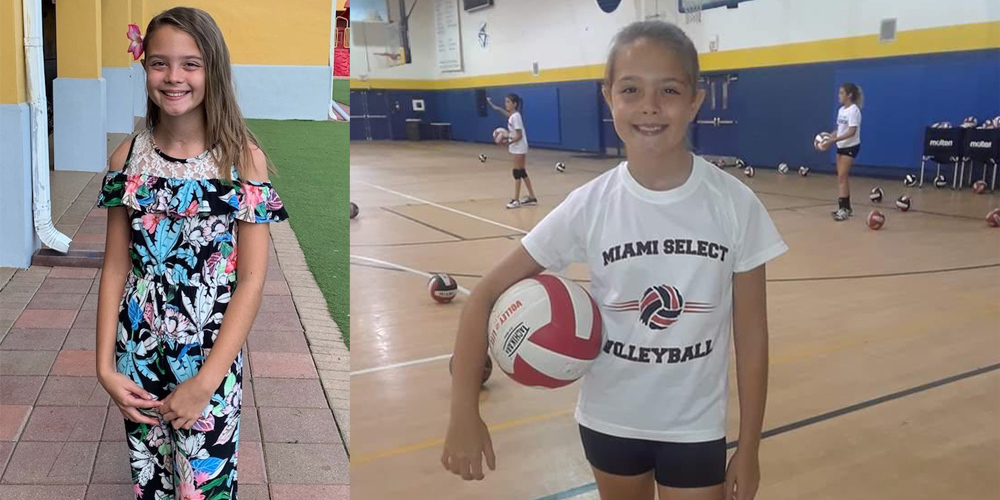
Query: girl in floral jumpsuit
171 320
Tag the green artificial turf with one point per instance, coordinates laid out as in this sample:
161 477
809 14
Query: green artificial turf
342 91
312 160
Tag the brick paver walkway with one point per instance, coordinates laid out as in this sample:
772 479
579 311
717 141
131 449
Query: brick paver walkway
62 438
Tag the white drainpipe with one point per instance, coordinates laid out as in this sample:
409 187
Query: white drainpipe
34 61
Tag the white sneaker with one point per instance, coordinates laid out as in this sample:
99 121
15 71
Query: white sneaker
528 200
514 204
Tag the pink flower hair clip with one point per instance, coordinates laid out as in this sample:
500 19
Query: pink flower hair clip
135 47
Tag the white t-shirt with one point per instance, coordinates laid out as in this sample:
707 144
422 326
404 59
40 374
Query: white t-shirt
515 122
847 117
661 265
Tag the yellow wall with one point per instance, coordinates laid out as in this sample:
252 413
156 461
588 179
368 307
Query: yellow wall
924 41
291 32
78 38
115 18
137 14
12 89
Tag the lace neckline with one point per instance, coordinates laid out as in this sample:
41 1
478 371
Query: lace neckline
148 159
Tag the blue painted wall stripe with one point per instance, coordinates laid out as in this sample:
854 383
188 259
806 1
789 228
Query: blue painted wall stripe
779 109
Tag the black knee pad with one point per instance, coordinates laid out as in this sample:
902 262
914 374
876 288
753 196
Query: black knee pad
519 173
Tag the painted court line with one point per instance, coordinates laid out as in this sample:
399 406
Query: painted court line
579 490
404 268
442 207
400 365
768 433
406 363
422 223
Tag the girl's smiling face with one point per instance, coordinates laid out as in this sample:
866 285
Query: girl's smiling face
651 98
175 72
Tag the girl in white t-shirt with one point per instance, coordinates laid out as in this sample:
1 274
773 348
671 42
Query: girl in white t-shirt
848 140
517 146
652 408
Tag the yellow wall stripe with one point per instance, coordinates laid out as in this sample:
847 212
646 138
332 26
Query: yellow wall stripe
964 37
12 90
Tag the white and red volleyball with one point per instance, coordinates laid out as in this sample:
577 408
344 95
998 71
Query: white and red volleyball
876 220
442 288
993 218
500 135
979 187
545 331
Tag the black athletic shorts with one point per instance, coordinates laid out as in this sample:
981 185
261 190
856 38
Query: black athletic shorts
851 151
676 465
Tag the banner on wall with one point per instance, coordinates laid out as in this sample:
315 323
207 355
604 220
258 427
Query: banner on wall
449 36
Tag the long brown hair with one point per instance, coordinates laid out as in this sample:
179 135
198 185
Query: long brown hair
854 92
228 135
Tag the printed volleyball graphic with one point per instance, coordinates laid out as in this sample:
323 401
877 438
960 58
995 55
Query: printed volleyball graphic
661 306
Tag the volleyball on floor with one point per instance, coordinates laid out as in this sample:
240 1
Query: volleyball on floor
442 288
940 181
749 172
782 168
993 218
354 210
487 368
876 220
819 139
500 135
910 180
482 158
903 203
545 331
560 167
876 195
979 187
804 170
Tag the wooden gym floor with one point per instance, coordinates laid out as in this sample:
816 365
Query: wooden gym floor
885 345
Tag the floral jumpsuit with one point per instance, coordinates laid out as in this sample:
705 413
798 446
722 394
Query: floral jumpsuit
183 251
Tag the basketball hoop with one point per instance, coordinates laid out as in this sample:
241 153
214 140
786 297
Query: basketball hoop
393 57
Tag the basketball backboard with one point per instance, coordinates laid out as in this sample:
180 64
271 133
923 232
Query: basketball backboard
686 6
370 11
